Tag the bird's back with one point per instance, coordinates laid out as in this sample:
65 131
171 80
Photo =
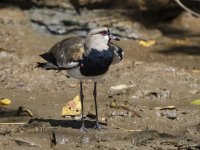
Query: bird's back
68 50
66 53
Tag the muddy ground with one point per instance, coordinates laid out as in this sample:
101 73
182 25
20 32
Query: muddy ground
165 74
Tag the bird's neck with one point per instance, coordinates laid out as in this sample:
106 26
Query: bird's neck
99 44
99 47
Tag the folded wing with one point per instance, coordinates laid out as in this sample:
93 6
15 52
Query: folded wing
66 54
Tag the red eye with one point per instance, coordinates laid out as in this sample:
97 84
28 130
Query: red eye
104 33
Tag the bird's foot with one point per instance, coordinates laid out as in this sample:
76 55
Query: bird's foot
98 126
83 128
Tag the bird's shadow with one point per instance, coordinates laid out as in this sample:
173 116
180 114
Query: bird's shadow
75 124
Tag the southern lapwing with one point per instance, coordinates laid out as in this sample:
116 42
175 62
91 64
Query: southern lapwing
85 57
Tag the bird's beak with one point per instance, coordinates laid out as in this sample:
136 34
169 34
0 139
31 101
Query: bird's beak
113 37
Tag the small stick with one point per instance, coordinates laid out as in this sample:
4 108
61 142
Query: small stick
13 123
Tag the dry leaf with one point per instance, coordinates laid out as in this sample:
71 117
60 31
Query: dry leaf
182 41
196 71
22 110
113 104
196 102
72 108
148 43
5 101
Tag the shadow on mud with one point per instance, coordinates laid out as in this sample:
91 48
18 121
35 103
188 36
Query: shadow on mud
75 124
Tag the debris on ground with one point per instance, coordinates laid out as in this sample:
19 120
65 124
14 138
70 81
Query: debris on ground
72 108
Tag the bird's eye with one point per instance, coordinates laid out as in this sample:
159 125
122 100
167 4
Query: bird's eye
104 33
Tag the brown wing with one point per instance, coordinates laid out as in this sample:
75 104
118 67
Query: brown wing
67 51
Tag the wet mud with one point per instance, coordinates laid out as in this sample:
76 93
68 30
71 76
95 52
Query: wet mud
146 82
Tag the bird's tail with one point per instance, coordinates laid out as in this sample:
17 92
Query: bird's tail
46 66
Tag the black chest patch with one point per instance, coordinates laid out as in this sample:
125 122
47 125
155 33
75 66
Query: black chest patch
96 63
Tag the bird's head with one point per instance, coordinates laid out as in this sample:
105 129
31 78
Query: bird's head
99 38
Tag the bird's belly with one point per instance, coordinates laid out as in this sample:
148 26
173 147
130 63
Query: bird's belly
75 73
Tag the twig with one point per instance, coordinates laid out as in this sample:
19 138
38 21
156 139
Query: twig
13 123
186 8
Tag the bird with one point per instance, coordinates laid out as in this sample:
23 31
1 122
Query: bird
85 57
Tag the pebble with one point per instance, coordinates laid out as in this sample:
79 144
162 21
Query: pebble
4 54
193 91
121 87
22 142
120 113
171 114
